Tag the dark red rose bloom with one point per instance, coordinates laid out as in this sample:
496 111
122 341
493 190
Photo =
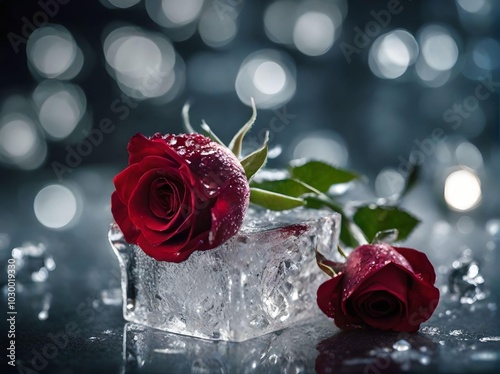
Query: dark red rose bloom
180 193
380 286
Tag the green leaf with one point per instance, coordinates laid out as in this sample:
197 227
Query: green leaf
273 201
235 144
255 160
289 187
346 235
411 179
321 175
185 118
207 131
373 219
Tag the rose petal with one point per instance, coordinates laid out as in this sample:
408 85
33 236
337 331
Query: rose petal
228 213
141 147
329 297
120 214
422 302
419 262
171 251
126 181
385 321
365 261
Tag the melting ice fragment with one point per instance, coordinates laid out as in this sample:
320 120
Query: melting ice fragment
465 282
33 264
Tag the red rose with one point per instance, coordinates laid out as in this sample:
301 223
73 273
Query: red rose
384 287
180 193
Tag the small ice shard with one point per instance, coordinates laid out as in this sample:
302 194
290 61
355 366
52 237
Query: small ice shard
44 313
490 339
465 282
33 264
401 345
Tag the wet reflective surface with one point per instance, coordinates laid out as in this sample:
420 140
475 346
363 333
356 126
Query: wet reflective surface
369 87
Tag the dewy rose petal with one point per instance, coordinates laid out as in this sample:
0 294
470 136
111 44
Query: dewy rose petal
384 287
180 193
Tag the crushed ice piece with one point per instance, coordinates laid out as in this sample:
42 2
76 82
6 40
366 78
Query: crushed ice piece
401 345
465 282
430 330
456 333
490 339
32 263
111 296
46 303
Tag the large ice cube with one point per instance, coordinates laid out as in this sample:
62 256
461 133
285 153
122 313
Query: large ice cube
261 280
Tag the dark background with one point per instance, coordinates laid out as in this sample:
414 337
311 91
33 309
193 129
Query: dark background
351 118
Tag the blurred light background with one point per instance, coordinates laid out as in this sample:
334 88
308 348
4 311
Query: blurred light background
366 85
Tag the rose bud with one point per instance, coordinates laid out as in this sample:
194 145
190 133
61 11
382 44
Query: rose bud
179 194
380 286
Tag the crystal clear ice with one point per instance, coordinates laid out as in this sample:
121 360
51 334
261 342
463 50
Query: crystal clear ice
261 280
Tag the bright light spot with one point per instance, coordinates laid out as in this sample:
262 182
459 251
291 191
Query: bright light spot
391 54
182 12
216 31
462 190
429 76
493 227
143 62
439 49
123 3
279 20
471 6
52 51
314 33
389 183
135 54
59 114
322 146
55 206
17 138
269 77
467 154
465 225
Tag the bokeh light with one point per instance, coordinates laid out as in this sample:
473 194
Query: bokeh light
389 183
391 54
439 49
61 106
142 63
279 21
268 76
462 190
53 53
469 155
322 145
56 206
174 14
471 6
314 33
20 142
216 29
